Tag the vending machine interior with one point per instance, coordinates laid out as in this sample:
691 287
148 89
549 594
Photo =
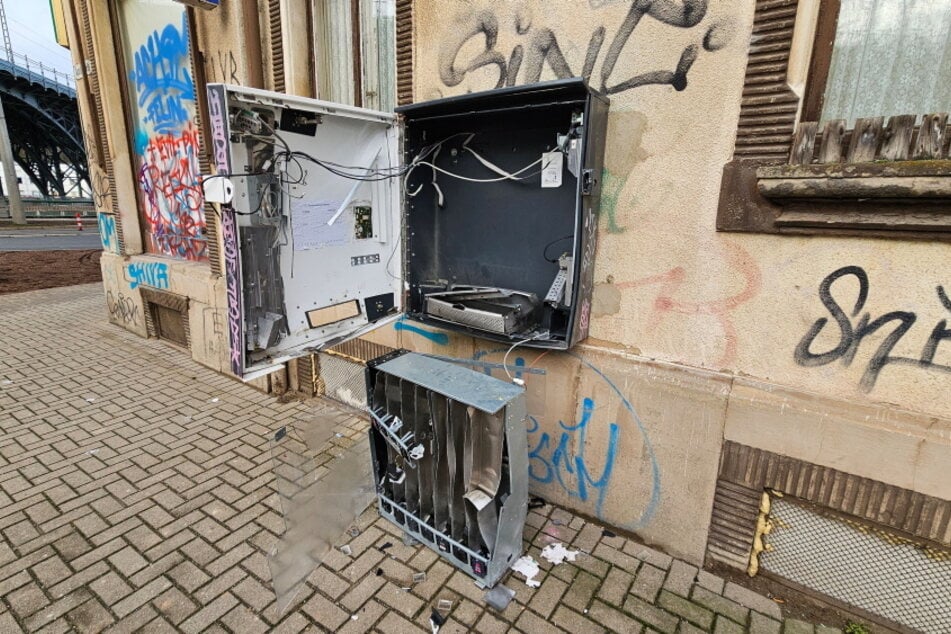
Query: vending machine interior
475 213
450 459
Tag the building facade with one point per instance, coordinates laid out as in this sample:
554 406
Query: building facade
769 329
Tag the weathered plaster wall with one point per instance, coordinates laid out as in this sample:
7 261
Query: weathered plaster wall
670 286
125 277
672 289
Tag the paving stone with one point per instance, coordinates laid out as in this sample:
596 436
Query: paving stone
647 583
201 620
528 621
9 624
361 592
680 578
367 617
721 605
760 624
174 605
615 586
398 599
685 627
656 618
690 611
467 612
243 620
753 600
393 623
188 576
27 600
648 554
110 588
580 592
612 619
710 581
127 561
571 621
724 625
796 626
546 598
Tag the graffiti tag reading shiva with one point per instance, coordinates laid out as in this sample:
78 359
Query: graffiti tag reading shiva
166 136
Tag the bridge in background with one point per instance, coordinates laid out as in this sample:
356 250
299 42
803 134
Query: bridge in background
43 122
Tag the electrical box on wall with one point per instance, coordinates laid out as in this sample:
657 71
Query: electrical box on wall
496 194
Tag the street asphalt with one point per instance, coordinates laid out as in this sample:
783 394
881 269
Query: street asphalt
49 239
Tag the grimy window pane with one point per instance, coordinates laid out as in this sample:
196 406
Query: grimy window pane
335 51
379 53
890 57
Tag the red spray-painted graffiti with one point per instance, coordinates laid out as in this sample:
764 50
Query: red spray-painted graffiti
167 138
170 181
720 309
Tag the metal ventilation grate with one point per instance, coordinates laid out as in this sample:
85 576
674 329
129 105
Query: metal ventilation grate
904 581
343 379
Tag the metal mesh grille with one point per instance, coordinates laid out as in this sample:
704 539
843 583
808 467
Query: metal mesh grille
901 580
343 380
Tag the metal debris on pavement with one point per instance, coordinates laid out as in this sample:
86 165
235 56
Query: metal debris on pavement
499 597
346 550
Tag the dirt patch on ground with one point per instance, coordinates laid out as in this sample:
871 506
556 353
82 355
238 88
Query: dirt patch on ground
33 270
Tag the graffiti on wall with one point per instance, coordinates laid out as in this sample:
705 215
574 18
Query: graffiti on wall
672 299
438 338
167 138
850 330
541 48
107 233
154 274
122 309
223 68
561 457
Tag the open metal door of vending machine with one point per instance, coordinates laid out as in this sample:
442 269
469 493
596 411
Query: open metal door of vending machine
310 203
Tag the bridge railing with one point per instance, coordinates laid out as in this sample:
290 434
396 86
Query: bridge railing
51 207
19 65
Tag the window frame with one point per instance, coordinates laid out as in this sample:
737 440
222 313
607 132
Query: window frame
762 187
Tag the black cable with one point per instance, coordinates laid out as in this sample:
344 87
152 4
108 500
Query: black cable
548 246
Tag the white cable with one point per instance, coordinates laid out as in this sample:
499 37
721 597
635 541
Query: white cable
505 359
482 180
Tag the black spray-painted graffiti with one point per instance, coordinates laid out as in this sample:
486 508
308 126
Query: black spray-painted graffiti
122 309
852 334
223 68
542 48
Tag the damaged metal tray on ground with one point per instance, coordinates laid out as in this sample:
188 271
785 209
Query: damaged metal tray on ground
450 459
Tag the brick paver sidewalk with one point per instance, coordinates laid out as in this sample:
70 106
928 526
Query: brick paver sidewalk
136 494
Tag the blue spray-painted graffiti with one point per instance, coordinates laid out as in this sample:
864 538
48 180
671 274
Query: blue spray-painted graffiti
154 274
439 338
573 463
107 233
566 462
163 80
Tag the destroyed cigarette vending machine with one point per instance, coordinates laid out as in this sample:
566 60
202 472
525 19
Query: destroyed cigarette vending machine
475 214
